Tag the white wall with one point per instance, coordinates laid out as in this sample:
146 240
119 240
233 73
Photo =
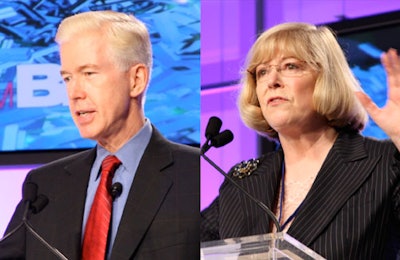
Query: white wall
11 179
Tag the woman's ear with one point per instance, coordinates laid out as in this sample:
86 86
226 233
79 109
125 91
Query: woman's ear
139 78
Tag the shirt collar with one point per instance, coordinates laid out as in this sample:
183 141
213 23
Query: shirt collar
131 152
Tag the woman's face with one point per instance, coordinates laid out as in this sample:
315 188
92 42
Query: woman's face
284 88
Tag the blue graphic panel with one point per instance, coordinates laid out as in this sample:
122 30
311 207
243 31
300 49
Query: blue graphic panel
363 50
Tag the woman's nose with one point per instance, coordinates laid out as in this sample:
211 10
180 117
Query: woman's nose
274 79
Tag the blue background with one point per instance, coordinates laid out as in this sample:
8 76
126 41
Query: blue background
27 30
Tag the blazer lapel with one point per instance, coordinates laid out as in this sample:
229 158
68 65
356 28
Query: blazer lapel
272 176
342 173
263 185
147 193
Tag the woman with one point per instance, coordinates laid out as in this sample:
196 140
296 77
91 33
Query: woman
332 189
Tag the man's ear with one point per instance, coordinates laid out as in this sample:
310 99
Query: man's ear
139 78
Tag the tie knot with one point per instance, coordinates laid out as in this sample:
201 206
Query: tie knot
110 163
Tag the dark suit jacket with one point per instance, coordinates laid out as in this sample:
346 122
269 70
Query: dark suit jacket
160 220
350 212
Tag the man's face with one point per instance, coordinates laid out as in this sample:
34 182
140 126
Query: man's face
98 90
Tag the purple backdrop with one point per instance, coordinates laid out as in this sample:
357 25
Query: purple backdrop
227 32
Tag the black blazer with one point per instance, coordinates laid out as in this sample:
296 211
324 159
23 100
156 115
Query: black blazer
160 219
350 212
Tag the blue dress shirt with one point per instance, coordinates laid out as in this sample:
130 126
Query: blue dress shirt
129 155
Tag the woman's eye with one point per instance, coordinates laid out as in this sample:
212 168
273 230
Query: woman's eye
260 73
291 66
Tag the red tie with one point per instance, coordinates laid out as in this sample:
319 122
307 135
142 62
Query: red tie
98 223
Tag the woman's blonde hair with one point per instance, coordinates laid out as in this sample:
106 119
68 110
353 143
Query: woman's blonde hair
333 95
128 37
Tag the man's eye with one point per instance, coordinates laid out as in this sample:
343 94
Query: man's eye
66 79
88 73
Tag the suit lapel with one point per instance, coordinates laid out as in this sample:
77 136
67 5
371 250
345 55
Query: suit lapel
147 193
342 173
71 201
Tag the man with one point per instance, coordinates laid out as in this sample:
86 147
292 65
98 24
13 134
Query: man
106 62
